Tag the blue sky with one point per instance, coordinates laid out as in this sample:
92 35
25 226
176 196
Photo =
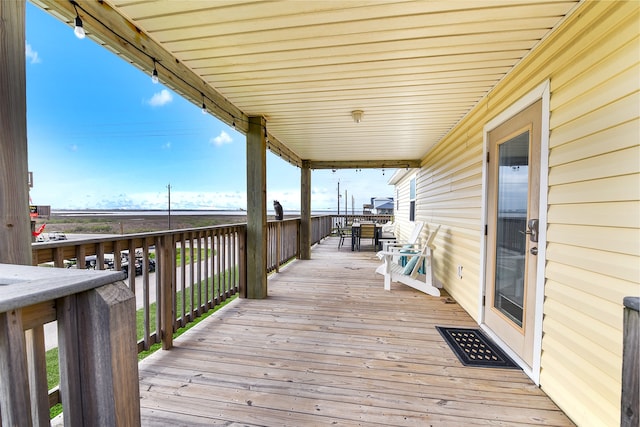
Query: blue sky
101 135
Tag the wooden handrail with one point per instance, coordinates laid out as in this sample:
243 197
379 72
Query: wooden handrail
98 363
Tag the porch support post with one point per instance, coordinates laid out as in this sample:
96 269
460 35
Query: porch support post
256 209
305 211
15 225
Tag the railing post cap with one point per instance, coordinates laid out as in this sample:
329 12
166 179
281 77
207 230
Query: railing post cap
632 303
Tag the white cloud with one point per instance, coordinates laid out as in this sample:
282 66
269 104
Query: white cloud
32 55
166 145
179 200
161 98
221 139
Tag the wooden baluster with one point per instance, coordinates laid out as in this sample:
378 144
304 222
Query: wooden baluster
167 290
69 360
199 274
207 236
38 376
15 405
145 292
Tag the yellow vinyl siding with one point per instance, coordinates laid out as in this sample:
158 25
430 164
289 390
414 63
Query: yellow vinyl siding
620 137
575 389
604 360
616 189
592 62
610 239
621 162
451 196
603 288
613 264
597 214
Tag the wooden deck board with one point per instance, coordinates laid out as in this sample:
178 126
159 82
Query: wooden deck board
330 347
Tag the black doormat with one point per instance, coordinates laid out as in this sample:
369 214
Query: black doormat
473 348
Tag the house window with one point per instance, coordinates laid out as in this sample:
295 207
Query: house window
412 200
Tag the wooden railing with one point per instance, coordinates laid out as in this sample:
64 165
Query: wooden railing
321 227
178 275
342 220
283 243
96 346
284 239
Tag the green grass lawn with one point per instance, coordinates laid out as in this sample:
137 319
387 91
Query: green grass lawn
187 255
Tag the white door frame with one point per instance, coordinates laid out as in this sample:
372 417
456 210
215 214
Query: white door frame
542 92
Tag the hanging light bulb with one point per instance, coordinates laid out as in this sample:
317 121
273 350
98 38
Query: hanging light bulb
204 107
78 30
154 73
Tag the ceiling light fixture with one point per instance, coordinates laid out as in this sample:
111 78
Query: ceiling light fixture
204 107
357 115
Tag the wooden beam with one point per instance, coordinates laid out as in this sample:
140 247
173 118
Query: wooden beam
15 224
256 209
278 148
364 164
305 211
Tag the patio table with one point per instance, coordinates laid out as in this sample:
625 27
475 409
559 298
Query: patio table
355 234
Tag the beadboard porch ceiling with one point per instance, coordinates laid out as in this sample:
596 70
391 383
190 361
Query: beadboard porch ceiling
415 68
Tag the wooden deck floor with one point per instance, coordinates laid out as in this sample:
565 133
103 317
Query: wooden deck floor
330 347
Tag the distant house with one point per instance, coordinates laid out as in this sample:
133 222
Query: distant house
381 205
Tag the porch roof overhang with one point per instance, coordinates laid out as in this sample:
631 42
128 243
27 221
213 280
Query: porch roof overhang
415 68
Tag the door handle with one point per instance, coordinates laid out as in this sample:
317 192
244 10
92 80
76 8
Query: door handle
532 225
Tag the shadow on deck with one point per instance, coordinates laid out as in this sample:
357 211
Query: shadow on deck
330 347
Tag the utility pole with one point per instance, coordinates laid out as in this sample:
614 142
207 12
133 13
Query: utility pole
338 197
169 206
346 207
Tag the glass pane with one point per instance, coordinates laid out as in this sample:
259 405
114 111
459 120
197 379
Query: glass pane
513 185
